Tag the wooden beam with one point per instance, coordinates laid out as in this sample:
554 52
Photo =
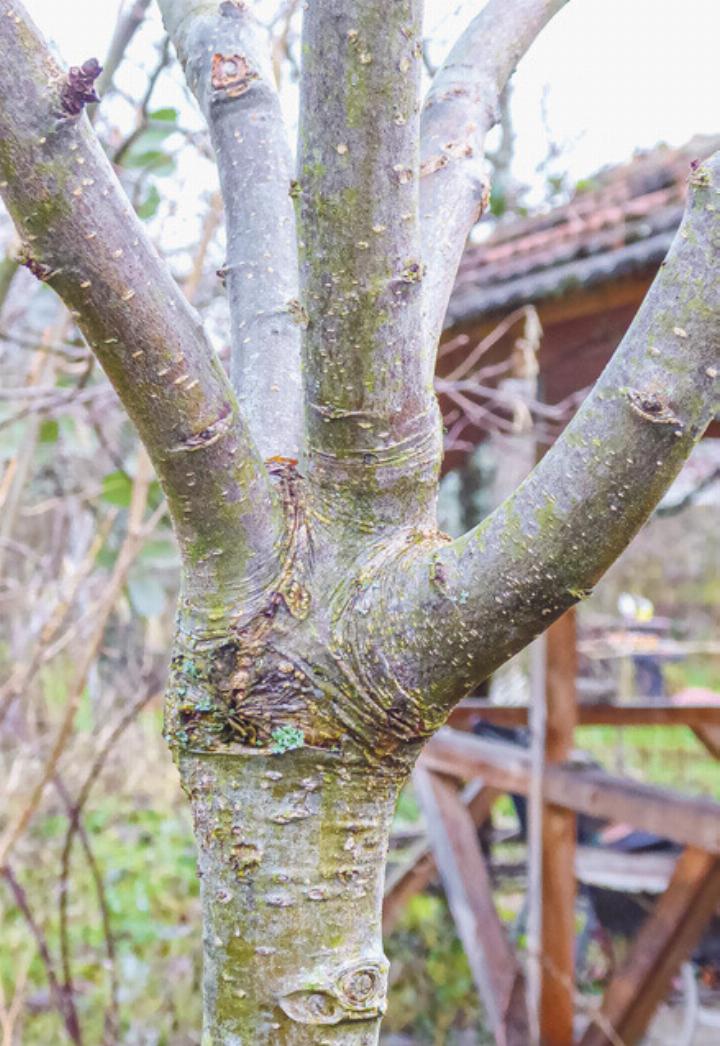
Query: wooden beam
477 710
559 829
685 820
665 940
709 735
419 870
459 859
644 872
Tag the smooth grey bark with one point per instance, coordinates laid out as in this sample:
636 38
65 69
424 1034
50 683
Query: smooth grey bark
325 626
225 55
462 105
373 428
483 597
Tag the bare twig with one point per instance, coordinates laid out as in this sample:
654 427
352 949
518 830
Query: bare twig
130 548
24 672
65 1004
9 1014
75 808
96 254
128 23
75 822
142 117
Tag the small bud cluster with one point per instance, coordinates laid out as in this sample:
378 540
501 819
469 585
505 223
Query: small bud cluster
79 88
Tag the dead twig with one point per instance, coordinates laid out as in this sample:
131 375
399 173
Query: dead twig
64 1004
74 810
130 548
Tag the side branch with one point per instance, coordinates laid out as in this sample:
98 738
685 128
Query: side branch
462 105
82 237
225 56
372 422
475 602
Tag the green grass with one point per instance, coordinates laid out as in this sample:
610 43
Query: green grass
147 861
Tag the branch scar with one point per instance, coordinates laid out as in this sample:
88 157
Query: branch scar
232 73
209 435
652 407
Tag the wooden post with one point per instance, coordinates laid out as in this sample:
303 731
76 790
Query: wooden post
496 972
558 843
663 943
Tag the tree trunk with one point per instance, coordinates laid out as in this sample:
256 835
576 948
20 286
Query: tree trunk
292 851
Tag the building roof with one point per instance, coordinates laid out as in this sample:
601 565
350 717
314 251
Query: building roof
622 225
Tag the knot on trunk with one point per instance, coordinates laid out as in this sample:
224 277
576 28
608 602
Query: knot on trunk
79 87
355 993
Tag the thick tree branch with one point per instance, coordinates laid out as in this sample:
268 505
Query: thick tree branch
372 421
475 602
226 58
82 237
462 105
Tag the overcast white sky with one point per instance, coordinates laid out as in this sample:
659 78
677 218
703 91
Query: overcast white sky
621 74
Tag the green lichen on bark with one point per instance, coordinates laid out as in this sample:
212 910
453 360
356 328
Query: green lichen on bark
370 417
286 840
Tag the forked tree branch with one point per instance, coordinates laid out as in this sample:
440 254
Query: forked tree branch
471 604
225 54
372 422
82 237
462 105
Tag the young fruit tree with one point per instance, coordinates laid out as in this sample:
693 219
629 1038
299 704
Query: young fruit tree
325 627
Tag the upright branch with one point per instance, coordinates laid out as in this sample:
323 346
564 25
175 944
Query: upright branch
82 237
473 603
128 23
371 416
462 105
226 58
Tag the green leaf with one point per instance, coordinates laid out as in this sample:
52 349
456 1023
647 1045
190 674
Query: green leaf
168 114
49 430
152 160
117 488
148 208
152 137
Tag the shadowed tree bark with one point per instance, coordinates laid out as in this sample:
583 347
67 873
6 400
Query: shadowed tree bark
325 627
